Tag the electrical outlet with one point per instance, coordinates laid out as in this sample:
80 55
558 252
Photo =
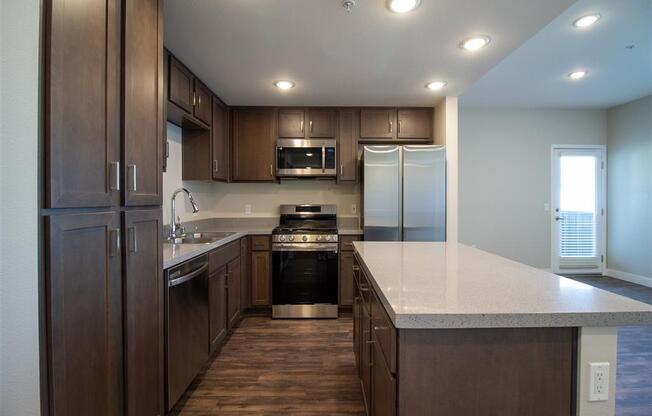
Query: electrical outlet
599 382
354 209
247 209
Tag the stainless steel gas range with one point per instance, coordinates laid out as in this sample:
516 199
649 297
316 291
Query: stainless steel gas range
304 262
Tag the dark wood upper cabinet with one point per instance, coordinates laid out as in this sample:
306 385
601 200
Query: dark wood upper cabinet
84 314
143 102
254 141
378 123
180 85
261 278
233 291
415 123
143 297
203 107
82 102
217 307
220 141
348 146
321 122
291 123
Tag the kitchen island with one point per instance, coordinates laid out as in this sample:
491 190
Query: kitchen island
443 329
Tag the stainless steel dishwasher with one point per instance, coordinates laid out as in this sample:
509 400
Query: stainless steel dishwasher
186 324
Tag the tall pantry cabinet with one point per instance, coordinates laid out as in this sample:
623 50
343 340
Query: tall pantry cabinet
102 287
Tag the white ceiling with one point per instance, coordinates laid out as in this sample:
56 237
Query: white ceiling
535 75
368 57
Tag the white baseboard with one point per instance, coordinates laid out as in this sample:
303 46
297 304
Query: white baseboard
629 277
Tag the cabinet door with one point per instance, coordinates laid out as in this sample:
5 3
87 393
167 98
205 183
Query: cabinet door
260 278
233 291
365 357
180 85
383 385
346 278
82 103
203 106
245 279
217 308
220 141
291 124
143 297
254 141
415 123
378 123
321 123
84 314
356 328
143 102
348 146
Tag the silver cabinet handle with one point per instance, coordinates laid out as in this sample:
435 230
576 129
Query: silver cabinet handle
114 176
323 159
133 240
399 126
114 242
216 165
134 175
301 126
310 126
198 101
390 126
341 170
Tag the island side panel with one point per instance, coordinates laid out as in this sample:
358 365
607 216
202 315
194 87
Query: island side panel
502 371
597 345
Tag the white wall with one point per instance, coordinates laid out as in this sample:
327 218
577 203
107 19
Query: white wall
19 153
629 220
228 199
505 175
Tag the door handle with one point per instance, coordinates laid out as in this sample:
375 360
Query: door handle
301 126
310 126
114 179
114 243
134 175
390 126
133 240
216 165
399 126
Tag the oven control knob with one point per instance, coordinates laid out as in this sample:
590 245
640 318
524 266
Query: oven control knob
281 238
291 238
304 238
328 238
319 238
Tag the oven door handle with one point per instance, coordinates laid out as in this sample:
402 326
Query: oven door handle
188 276
329 247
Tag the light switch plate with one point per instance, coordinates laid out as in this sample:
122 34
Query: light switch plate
599 382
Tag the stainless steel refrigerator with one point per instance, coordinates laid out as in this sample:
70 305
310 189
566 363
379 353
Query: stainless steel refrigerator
404 193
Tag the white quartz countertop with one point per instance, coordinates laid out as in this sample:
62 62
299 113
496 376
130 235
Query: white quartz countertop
446 285
174 254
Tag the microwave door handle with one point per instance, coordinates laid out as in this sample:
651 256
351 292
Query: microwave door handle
323 159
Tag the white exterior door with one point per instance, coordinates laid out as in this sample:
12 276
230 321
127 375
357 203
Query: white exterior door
578 209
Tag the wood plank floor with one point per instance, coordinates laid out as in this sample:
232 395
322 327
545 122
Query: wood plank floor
634 367
280 367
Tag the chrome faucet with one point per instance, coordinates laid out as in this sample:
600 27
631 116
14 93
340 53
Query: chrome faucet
176 230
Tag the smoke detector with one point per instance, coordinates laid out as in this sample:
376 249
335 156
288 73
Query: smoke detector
348 5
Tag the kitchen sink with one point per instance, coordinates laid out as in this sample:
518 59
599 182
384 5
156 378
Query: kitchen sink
200 238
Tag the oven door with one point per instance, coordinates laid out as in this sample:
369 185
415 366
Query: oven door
298 157
304 280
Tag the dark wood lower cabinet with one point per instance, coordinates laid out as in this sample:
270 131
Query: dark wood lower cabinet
143 300
261 269
217 308
462 372
84 314
233 292
346 278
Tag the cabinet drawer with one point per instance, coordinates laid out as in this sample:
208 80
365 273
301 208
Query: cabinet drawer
383 332
346 242
221 256
260 243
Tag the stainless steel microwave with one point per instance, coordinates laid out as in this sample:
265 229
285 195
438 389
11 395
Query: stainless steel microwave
306 158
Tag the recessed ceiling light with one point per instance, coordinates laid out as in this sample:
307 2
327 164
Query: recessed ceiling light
436 85
586 21
284 85
577 74
403 6
475 43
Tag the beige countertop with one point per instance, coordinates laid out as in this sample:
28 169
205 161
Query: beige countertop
446 285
